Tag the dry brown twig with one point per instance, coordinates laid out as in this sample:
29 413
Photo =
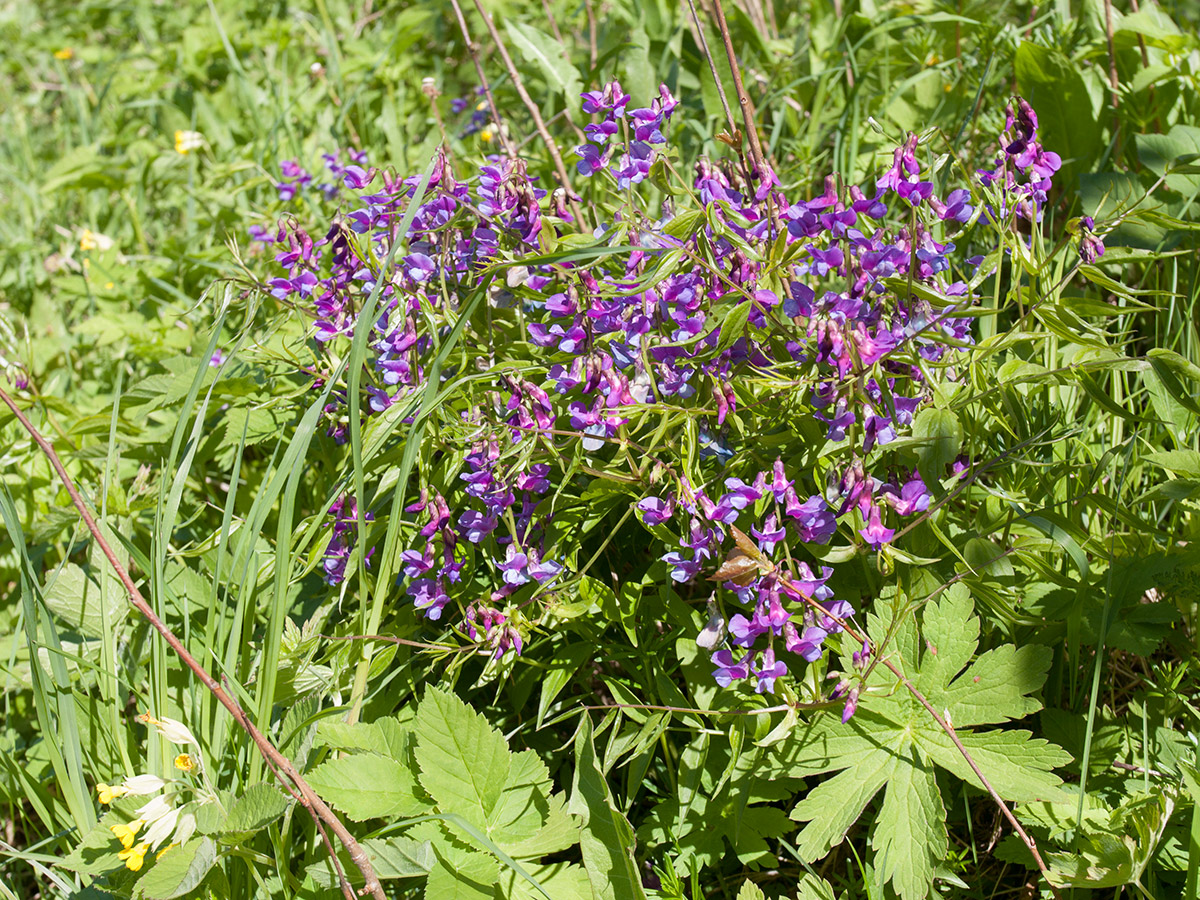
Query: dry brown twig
276 761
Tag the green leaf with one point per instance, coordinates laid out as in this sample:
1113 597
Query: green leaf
606 838
814 887
1058 94
464 761
397 857
180 870
386 736
562 881
548 55
911 829
892 743
940 436
751 891
257 808
1181 462
472 876
367 786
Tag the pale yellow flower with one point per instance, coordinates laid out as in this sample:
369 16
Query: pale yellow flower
187 141
87 240
172 729
134 856
109 793
143 784
127 834
487 133
64 53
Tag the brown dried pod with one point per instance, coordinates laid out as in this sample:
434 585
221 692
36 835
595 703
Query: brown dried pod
738 568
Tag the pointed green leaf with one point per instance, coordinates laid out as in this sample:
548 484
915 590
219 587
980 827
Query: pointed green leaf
180 870
257 808
366 786
606 838
464 762
910 832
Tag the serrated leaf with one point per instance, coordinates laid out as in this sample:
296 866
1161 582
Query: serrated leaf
559 832
524 804
606 838
813 887
258 807
178 871
464 762
473 876
834 805
367 786
751 891
911 830
562 881
893 743
386 736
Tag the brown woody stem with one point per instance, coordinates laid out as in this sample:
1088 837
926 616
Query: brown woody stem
278 763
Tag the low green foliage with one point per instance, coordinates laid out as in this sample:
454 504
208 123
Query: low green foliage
1044 603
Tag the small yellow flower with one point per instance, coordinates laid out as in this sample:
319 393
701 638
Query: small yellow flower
134 856
482 105
159 854
487 134
126 834
87 240
108 285
64 53
185 763
110 793
187 141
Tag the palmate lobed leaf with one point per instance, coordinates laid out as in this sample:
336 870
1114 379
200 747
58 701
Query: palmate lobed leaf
893 744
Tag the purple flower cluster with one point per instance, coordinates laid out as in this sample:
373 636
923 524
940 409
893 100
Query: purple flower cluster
297 179
1023 170
344 519
816 294
627 162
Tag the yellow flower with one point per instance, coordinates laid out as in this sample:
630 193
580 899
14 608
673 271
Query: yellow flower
482 105
186 141
185 763
87 240
110 793
486 134
134 856
108 285
64 53
126 834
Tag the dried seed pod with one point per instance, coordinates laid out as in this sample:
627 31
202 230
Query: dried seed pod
738 568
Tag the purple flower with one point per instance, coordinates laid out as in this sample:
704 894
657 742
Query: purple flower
682 569
768 671
474 526
729 671
655 510
807 645
875 533
428 595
